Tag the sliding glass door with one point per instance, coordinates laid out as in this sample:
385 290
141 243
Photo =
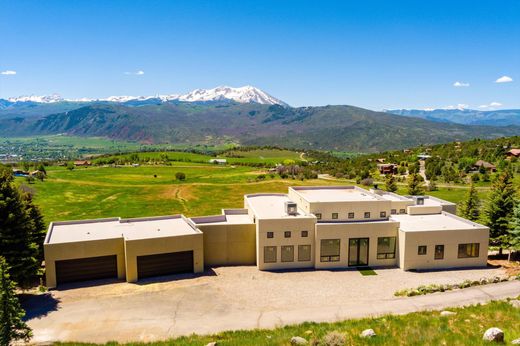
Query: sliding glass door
358 252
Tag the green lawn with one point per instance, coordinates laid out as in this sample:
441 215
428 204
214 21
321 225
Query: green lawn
423 328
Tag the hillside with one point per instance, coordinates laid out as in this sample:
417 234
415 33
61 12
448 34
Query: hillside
504 117
344 128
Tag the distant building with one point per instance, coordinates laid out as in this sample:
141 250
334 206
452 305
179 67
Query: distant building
387 168
423 156
218 161
380 160
82 163
513 153
487 166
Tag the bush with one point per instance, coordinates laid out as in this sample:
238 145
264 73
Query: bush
334 339
180 176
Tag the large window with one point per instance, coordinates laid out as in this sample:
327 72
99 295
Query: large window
439 252
269 254
287 253
385 247
468 250
329 251
304 253
422 249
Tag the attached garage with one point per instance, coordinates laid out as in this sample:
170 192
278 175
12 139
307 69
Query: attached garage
84 269
165 264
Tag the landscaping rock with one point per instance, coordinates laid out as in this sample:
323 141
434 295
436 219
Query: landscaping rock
494 334
214 343
298 340
515 303
447 313
308 332
368 333
515 342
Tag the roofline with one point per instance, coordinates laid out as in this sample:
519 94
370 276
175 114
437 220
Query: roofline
441 201
333 187
445 213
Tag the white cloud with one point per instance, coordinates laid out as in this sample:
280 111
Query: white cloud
136 73
504 79
8 72
459 106
460 84
492 105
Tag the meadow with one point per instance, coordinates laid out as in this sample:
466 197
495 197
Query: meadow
421 328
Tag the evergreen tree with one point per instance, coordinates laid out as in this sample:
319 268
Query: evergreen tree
500 209
470 206
17 232
12 327
38 231
415 184
390 183
514 232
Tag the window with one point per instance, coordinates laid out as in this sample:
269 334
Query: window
304 253
287 234
305 234
367 215
439 252
270 234
382 214
318 216
269 254
385 247
329 251
334 216
350 215
393 211
422 249
287 253
468 250
402 211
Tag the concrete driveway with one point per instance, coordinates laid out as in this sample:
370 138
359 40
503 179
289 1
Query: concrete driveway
230 298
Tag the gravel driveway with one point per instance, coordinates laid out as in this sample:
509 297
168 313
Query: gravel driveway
227 298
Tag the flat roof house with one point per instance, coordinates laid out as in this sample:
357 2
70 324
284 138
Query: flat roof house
320 227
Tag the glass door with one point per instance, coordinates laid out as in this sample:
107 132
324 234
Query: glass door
358 251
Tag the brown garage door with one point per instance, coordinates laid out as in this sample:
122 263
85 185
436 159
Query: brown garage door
165 264
91 268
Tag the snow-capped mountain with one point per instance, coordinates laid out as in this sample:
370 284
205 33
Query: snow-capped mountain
245 94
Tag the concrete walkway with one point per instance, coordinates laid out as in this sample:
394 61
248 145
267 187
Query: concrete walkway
240 298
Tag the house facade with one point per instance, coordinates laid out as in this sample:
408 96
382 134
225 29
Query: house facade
321 227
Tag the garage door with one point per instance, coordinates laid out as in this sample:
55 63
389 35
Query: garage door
165 264
91 268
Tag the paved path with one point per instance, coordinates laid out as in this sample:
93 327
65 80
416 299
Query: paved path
241 298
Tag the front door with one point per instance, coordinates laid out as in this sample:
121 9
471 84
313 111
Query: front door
358 252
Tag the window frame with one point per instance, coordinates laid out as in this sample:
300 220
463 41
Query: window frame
332 257
419 247
282 248
386 255
402 211
310 253
367 215
477 247
304 234
435 257
393 211
275 254
351 215
287 234
270 235
382 214
335 216
318 216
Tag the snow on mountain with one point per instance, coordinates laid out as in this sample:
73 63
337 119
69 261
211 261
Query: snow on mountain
245 94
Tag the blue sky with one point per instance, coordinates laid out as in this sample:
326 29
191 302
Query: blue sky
372 54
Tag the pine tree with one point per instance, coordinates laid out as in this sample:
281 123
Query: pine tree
390 183
514 232
415 184
38 231
470 206
17 232
500 209
12 327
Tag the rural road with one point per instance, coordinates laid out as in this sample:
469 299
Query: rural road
241 298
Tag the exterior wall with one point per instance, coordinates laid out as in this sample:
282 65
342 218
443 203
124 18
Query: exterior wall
345 231
278 227
424 209
77 250
358 208
451 240
450 208
152 246
229 244
400 205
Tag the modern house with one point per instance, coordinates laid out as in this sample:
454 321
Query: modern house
309 227
513 153
387 168
485 165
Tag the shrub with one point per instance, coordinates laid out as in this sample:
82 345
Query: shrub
180 176
334 339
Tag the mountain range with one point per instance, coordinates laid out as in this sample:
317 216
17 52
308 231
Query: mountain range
245 115
504 117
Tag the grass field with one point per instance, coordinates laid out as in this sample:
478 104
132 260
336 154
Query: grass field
423 328
148 190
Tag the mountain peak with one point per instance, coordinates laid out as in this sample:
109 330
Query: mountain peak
245 94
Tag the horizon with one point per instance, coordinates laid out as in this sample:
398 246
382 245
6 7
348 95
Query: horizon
377 56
